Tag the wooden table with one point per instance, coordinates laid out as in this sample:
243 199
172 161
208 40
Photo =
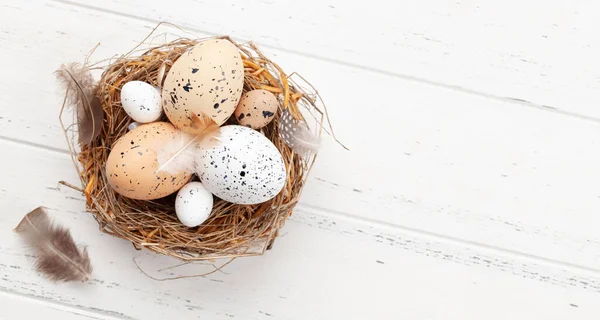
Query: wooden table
471 189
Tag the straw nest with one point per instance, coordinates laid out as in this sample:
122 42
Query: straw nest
231 230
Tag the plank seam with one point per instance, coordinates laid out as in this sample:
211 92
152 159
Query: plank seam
480 247
326 212
76 310
509 100
34 145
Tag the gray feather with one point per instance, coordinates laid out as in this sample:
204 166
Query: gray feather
58 257
79 84
297 135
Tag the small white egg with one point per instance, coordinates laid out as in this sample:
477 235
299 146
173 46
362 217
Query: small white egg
193 204
141 101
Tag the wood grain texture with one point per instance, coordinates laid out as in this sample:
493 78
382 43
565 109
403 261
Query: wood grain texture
508 50
461 166
19 306
453 203
319 265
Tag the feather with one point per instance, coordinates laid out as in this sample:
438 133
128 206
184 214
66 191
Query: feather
297 135
203 125
57 254
133 125
206 129
79 84
178 155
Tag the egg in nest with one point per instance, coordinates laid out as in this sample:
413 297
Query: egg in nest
256 108
131 167
207 79
242 167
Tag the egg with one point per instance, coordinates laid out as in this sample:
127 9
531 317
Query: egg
131 167
193 204
207 79
242 166
256 108
141 101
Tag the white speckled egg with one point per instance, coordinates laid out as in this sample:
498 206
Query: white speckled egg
141 101
207 79
193 204
242 167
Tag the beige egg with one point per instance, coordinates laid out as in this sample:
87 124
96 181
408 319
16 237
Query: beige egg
256 108
207 79
131 166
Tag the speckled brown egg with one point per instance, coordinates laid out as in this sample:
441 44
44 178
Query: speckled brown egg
256 108
207 79
131 166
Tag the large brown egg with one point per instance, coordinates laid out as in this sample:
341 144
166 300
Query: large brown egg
131 166
256 108
207 79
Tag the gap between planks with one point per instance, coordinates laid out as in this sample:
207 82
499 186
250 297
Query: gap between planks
410 78
34 145
479 247
395 228
59 306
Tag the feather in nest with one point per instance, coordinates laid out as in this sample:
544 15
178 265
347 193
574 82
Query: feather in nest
58 257
79 85
297 135
178 155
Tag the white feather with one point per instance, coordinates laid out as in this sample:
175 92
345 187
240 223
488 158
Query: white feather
297 135
133 125
178 155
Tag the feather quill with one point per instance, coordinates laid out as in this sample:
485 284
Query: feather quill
297 135
58 257
79 84
178 155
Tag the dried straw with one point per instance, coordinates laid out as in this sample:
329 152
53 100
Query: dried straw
231 230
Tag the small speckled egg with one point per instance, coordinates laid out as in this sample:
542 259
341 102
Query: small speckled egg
141 101
207 79
131 165
242 166
193 204
256 108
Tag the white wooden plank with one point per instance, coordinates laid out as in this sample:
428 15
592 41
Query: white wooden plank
322 267
542 52
469 168
417 268
16 306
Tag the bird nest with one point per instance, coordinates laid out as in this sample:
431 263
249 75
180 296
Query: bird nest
232 230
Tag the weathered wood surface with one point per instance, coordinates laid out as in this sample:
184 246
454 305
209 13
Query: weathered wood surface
456 201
